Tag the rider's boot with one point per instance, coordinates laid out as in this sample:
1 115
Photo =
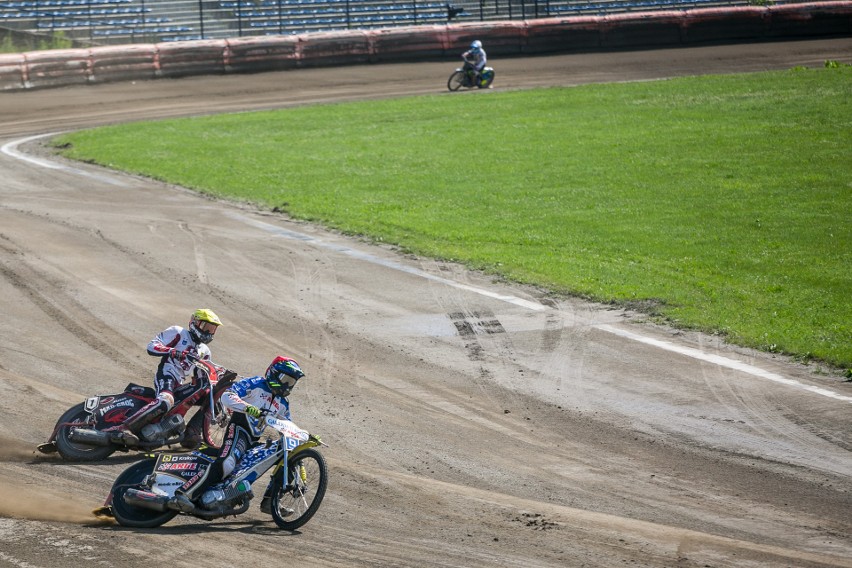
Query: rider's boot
127 437
190 442
266 507
193 435
181 502
266 502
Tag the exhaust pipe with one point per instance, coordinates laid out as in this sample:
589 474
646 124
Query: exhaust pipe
146 499
90 437
163 503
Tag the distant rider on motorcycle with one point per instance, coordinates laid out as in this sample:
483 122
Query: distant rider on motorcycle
474 61
172 346
246 399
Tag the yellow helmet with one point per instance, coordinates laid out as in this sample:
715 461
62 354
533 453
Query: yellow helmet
203 325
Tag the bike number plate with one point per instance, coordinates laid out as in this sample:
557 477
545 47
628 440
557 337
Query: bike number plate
92 403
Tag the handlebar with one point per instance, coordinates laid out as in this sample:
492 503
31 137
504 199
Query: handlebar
222 374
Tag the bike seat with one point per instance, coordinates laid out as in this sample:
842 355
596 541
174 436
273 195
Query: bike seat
139 390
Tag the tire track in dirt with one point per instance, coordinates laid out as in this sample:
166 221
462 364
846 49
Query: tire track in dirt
415 480
668 544
50 297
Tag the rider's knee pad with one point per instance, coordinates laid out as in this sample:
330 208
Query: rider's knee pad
167 400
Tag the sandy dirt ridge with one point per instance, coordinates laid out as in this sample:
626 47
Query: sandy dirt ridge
470 422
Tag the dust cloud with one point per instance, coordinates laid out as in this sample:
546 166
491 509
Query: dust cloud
25 501
17 451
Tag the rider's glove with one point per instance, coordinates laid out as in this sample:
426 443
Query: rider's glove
182 355
179 355
252 411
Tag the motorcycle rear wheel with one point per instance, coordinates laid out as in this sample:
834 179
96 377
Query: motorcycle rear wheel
456 81
487 79
295 503
128 515
78 452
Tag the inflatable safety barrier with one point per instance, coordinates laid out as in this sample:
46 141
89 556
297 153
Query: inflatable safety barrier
261 53
123 63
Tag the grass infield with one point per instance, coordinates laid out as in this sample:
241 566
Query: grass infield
718 203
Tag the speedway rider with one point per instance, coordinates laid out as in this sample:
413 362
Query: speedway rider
172 346
474 61
247 400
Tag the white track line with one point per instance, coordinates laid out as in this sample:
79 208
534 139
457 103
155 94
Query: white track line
276 230
722 362
10 149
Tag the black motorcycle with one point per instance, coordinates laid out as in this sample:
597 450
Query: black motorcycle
88 431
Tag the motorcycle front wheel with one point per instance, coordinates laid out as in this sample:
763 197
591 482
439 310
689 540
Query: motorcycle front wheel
75 417
214 430
204 428
129 515
456 81
294 503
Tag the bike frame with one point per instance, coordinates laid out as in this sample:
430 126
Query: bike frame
141 396
257 461
274 455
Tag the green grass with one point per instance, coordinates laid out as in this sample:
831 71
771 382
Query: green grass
17 42
722 203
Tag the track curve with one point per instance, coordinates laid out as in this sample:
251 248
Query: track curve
465 429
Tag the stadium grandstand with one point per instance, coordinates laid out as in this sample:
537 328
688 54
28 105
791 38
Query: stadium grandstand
106 22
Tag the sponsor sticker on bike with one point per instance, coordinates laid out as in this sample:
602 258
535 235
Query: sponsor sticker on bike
177 466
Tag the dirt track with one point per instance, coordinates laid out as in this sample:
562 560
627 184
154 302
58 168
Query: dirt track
471 423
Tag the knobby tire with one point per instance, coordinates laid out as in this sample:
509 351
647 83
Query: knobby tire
297 493
128 515
456 81
78 452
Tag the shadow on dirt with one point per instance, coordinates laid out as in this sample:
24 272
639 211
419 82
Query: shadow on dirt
248 527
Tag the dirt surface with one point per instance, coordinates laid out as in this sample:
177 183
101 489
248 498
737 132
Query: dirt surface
471 423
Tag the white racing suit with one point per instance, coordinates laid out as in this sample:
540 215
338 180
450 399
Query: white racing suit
474 62
171 374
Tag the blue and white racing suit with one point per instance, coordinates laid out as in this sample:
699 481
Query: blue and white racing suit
253 391
243 430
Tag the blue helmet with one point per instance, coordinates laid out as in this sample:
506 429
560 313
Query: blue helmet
282 375
476 46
